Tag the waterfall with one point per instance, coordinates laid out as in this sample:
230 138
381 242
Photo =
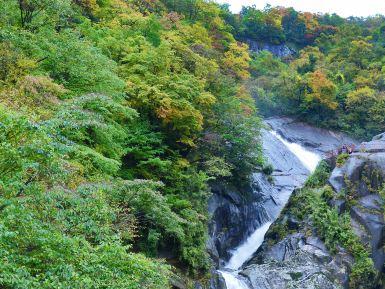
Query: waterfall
309 159
232 282
246 250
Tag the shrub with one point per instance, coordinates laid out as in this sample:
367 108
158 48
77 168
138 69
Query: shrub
341 159
267 169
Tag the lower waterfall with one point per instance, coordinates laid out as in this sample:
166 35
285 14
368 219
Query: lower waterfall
232 282
243 252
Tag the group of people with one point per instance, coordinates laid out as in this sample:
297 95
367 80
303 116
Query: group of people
344 149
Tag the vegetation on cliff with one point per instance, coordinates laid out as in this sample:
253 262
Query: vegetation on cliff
311 207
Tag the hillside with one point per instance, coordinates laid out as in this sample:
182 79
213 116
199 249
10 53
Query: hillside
114 116
333 76
118 118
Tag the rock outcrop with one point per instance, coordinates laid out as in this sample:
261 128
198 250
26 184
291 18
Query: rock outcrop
278 50
359 180
235 213
313 138
293 256
297 262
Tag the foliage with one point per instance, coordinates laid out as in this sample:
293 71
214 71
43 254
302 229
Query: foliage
320 176
268 169
341 159
68 242
53 236
114 116
277 25
336 78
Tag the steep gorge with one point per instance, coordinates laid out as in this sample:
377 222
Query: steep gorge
294 150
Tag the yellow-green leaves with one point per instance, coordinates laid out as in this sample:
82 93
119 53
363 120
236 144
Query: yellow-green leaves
236 61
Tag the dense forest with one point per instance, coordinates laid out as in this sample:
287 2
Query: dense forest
335 75
117 115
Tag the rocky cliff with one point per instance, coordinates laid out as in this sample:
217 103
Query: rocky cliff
358 184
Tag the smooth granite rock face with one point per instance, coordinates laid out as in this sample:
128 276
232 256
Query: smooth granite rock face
316 139
231 220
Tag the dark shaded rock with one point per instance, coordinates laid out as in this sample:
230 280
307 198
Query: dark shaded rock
292 223
235 215
373 222
339 204
217 281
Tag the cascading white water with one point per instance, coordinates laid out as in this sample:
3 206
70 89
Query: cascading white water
309 159
245 251
232 282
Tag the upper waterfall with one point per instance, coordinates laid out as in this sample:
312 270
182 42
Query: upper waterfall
309 159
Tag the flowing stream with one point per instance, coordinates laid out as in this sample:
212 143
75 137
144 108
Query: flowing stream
246 250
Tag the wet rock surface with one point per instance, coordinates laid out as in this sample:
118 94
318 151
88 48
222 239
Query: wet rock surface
217 281
231 212
313 138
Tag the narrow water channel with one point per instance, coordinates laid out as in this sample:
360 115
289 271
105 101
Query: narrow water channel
245 251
